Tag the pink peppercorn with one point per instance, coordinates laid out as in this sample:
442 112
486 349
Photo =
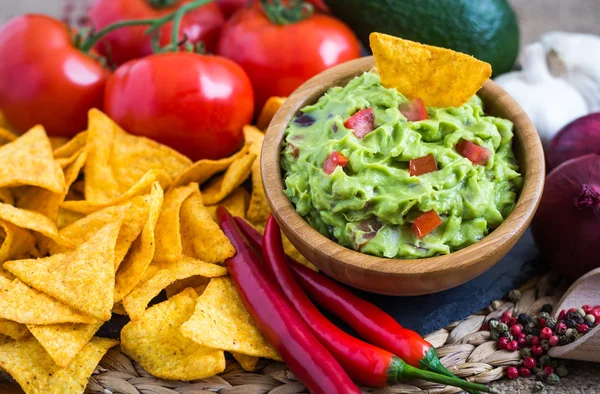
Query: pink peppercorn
529 363
561 328
553 340
516 329
548 370
535 340
504 320
587 308
596 313
502 343
522 340
507 314
562 315
546 333
542 322
537 350
524 372
573 310
582 328
512 346
512 373
512 321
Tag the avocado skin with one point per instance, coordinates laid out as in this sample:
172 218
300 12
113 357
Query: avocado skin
485 29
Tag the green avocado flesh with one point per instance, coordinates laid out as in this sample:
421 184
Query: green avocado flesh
370 204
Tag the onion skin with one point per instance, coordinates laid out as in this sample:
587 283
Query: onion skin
579 138
566 227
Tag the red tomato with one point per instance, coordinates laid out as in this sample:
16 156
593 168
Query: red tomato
44 79
196 104
362 122
229 7
279 58
414 110
422 165
334 160
426 223
202 24
476 154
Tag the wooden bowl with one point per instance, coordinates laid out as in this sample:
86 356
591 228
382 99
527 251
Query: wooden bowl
395 276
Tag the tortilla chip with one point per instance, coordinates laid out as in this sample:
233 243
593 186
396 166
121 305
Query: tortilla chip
136 302
18 243
291 251
72 147
133 214
66 218
236 174
248 363
117 160
268 112
259 209
28 160
16 331
169 245
196 282
83 278
222 322
202 238
26 305
440 77
119 310
6 136
144 186
29 364
46 202
236 203
155 342
4 339
64 341
6 197
33 221
202 170
140 255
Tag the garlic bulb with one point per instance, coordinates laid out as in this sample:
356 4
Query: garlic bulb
550 102
576 58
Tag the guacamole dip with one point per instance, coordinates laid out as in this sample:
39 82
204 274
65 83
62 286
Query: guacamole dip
356 184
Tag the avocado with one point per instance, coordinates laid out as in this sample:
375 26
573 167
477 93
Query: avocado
486 29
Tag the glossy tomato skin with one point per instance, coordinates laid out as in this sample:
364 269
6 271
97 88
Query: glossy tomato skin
229 7
196 104
202 24
278 59
44 79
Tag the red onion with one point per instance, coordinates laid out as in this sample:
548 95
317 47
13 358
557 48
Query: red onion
566 227
579 138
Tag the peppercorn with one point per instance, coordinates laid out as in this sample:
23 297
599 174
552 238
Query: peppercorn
560 328
562 371
512 346
554 340
493 324
514 295
548 370
506 314
577 336
571 323
502 343
551 323
522 340
547 308
507 334
590 319
562 315
502 327
537 350
536 332
516 329
582 328
576 317
526 352
554 364
540 375
563 340
529 362
524 372
544 360
570 333
545 315
512 322
535 340
545 344
494 335
538 386
580 312
546 333
553 379
512 373
523 319
587 308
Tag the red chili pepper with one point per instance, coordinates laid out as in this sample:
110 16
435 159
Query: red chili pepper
366 363
334 160
362 122
422 165
414 110
283 327
366 319
477 154
426 223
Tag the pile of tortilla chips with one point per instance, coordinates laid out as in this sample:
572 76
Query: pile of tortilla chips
102 224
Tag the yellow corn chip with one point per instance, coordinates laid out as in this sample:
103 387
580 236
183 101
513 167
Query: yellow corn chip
155 342
222 322
29 364
16 331
202 238
236 203
144 186
64 341
4 339
26 305
66 218
197 282
72 147
268 112
67 161
33 221
247 362
136 302
119 310
57 142
117 160
83 279
17 242
236 174
133 214
140 255
6 136
202 170
259 209
169 245
440 77
6 197
29 161
46 202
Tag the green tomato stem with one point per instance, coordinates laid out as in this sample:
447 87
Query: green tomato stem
179 14
160 4
286 14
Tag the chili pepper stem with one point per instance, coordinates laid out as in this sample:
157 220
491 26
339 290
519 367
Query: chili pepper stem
431 362
405 371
